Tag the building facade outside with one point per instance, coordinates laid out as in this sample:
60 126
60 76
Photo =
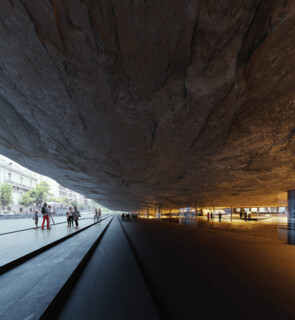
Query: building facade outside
22 180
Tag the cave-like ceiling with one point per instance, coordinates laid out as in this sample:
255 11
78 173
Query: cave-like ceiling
141 103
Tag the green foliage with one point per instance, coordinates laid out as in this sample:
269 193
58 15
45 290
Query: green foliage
37 195
74 203
62 200
5 194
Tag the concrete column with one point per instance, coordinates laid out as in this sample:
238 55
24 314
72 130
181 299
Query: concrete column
187 214
291 216
196 209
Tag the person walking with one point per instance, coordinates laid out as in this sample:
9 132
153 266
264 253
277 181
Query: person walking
95 215
245 215
76 215
208 216
36 219
45 213
99 214
220 216
71 217
211 215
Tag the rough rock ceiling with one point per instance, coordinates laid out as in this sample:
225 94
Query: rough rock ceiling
142 103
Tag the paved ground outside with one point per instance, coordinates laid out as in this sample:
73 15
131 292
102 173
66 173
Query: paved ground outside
8 225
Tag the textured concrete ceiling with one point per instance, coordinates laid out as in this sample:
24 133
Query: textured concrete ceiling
142 103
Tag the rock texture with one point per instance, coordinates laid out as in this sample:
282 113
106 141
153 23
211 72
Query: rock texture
143 103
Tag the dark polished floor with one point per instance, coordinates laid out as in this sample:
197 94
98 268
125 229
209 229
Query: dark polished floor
215 274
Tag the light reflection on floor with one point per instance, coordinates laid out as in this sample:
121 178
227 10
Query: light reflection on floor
266 226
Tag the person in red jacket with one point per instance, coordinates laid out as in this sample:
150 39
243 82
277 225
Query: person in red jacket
45 213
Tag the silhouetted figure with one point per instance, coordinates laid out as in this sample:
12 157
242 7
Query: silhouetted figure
249 216
212 217
208 216
241 214
220 216
245 216
123 216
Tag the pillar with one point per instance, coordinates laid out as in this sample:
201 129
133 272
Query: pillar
231 213
291 216
187 214
196 210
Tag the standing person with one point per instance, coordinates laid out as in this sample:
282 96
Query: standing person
68 218
241 214
36 219
76 215
99 214
245 215
219 215
45 213
211 215
50 214
71 217
208 216
95 215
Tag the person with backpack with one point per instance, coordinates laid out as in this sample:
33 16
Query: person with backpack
45 213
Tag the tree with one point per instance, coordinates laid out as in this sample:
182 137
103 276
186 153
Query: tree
62 200
74 203
37 195
5 194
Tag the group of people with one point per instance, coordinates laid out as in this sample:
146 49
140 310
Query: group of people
72 216
244 215
47 213
211 215
97 214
